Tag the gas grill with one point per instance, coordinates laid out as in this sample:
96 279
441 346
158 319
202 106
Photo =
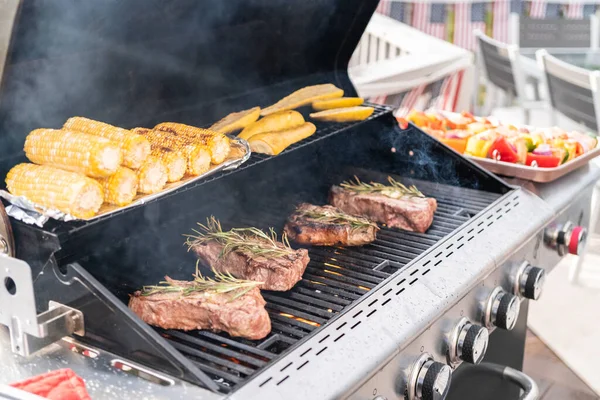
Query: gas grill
391 319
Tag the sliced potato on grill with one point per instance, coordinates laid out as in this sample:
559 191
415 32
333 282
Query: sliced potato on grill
303 97
337 103
346 114
236 121
275 122
273 143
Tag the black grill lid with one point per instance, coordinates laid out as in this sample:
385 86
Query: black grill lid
138 62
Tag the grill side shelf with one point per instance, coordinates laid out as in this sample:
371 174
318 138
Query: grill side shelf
112 326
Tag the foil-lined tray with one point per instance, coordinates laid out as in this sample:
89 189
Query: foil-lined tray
23 209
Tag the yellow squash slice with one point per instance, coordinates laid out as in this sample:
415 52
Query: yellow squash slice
236 121
337 103
343 114
275 122
273 143
304 96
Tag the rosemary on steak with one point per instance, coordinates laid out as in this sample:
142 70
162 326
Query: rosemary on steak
336 217
250 241
395 190
222 283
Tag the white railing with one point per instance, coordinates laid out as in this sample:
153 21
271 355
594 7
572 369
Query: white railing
393 58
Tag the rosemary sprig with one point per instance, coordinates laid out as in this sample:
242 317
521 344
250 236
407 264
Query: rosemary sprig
222 283
335 217
395 190
250 241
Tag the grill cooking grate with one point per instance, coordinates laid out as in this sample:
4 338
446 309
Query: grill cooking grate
334 279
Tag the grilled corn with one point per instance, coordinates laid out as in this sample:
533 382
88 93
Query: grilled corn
198 157
120 188
217 144
152 177
175 162
235 121
73 151
135 148
50 187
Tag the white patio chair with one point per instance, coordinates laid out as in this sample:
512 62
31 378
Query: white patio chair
500 64
574 93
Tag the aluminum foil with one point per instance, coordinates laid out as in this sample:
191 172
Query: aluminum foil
33 214
23 209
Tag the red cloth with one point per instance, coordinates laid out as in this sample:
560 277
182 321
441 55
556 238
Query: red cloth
61 384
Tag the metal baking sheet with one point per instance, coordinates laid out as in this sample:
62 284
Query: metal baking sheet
535 174
24 210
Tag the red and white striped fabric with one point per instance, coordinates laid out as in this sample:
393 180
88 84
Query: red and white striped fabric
449 92
575 10
378 99
501 12
538 9
384 7
422 20
465 24
410 101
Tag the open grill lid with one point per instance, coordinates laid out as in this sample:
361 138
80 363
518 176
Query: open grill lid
139 62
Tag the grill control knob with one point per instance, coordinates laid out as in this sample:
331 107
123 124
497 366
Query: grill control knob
430 380
567 238
529 281
472 343
502 310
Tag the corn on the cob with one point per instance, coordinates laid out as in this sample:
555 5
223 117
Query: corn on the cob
73 151
152 177
198 157
175 161
135 148
218 144
120 188
50 187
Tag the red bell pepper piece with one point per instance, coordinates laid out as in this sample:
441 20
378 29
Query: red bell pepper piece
61 384
502 150
543 161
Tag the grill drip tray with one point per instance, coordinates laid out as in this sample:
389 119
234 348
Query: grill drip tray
334 279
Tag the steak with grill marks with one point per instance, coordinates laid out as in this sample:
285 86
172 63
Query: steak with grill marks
244 316
279 273
328 226
410 213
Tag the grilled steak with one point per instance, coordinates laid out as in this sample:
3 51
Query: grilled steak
410 213
328 226
279 273
244 316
